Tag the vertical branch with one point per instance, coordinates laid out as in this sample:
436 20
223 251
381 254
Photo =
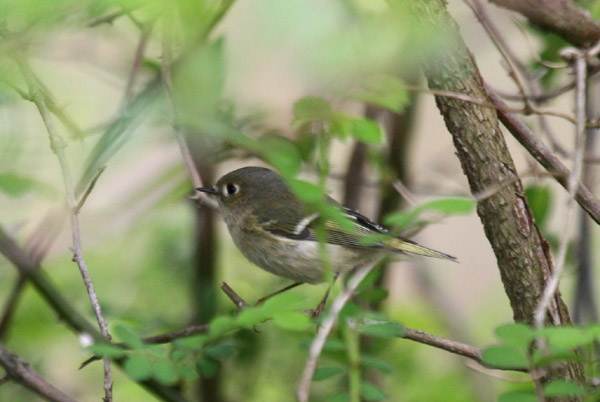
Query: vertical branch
580 66
11 304
58 145
584 305
316 347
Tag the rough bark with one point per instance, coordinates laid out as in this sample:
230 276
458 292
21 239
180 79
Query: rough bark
522 253
561 17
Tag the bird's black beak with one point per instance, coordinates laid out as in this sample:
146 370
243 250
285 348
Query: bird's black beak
209 190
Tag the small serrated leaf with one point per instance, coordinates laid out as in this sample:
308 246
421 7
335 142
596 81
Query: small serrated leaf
323 373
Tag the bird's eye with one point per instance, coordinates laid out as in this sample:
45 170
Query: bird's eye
231 189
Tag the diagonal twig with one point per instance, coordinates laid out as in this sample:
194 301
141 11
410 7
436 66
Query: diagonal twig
19 371
58 145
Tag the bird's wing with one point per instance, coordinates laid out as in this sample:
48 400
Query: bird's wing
302 226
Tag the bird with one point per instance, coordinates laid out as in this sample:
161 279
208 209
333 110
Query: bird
274 230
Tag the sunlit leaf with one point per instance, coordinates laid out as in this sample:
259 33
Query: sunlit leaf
562 388
367 131
291 320
518 396
517 335
504 357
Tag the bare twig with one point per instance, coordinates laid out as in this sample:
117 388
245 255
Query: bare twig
58 145
88 190
19 371
303 390
11 304
544 156
183 147
580 63
504 107
108 18
146 30
27 265
235 298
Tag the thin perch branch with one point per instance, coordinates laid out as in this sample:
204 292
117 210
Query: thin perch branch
58 145
303 390
19 371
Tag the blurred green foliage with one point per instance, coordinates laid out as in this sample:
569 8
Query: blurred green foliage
138 226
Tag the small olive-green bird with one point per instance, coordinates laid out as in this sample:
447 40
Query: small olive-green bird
272 229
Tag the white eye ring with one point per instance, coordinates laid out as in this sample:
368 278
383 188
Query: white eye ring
230 189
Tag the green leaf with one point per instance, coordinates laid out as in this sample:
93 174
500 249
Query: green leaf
562 388
127 336
385 330
386 91
312 108
518 396
107 350
323 373
504 357
249 317
401 220
367 131
16 185
334 345
281 153
305 191
282 302
220 325
517 335
565 337
208 367
164 373
371 393
195 342
138 367
540 200
341 125
378 364
343 397
219 351
291 320
449 206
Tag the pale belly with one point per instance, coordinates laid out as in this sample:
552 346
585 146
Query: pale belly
300 260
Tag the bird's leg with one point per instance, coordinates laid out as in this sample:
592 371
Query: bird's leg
285 289
317 312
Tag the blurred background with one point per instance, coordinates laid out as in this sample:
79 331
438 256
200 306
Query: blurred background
157 259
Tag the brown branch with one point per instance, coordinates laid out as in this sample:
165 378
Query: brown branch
562 17
140 50
491 105
19 371
88 190
58 145
544 156
11 305
29 267
235 298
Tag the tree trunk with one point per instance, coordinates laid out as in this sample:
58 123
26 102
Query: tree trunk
522 253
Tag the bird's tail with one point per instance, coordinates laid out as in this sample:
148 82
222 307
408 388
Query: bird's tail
406 246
